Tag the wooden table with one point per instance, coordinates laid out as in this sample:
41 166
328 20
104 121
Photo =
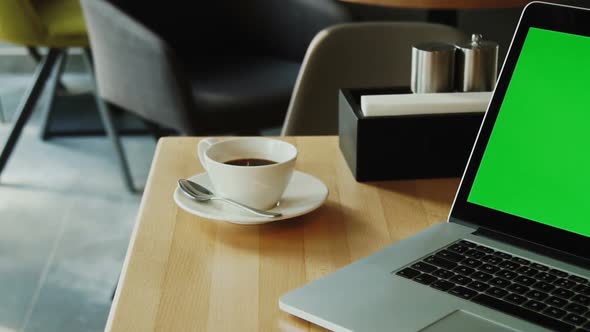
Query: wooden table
445 4
185 273
445 11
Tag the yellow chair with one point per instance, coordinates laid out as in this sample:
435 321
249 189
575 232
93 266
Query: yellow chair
51 23
57 25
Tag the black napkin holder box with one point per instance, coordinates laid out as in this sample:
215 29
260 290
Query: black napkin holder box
406 146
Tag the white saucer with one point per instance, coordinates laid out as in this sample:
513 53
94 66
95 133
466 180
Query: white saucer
304 194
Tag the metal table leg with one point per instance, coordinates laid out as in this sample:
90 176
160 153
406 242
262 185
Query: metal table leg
52 86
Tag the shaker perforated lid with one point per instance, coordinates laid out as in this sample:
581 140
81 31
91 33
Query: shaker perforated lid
477 42
434 47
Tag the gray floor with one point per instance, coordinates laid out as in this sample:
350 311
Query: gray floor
65 222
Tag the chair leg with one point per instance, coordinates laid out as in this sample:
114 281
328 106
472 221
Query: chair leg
34 53
51 89
107 121
27 105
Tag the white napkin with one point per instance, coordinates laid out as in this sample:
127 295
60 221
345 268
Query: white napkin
425 103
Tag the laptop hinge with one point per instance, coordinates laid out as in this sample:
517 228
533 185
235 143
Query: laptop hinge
534 247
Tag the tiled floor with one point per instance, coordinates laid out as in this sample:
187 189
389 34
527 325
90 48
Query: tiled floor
65 222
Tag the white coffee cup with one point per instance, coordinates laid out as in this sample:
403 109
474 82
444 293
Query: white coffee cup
260 187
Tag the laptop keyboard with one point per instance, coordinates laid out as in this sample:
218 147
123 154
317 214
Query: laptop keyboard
531 291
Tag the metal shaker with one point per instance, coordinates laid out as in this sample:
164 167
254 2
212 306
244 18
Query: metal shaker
433 66
477 65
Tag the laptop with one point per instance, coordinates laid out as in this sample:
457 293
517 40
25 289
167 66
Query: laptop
515 252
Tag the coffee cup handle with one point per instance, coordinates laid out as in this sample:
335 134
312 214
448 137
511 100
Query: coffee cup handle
203 146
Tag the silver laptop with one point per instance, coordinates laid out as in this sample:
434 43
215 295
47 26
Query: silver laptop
515 252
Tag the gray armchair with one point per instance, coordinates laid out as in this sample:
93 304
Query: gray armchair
149 69
136 70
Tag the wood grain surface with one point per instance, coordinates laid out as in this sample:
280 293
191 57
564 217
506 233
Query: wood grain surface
446 4
186 273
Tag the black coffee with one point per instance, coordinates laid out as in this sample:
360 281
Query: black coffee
250 162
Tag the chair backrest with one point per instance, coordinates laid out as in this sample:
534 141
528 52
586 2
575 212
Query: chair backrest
355 55
136 70
20 24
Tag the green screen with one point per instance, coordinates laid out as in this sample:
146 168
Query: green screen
537 161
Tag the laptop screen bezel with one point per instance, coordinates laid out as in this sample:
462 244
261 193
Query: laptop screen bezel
544 16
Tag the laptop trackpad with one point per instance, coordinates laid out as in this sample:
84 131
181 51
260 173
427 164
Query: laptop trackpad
464 321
